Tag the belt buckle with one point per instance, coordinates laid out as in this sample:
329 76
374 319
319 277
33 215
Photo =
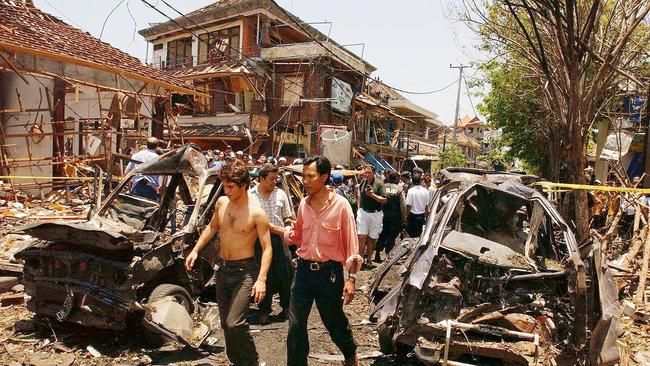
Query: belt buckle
314 266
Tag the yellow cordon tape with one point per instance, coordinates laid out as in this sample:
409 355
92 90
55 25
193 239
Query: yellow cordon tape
593 188
52 178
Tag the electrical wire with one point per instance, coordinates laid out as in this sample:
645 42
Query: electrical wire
469 97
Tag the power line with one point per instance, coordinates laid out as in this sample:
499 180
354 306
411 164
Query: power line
469 97
424 92
107 17
290 16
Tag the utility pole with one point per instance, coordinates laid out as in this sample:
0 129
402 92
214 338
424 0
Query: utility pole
460 78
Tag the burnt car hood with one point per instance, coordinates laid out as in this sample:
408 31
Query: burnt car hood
96 233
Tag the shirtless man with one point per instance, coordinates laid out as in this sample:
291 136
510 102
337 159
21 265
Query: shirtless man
239 223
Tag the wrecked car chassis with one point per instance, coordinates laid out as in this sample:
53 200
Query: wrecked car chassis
101 272
496 278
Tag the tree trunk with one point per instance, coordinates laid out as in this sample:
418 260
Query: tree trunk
575 173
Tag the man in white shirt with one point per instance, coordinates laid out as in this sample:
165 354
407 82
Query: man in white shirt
278 209
147 186
417 200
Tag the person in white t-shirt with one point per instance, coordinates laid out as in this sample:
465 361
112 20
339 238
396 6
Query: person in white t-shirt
417 200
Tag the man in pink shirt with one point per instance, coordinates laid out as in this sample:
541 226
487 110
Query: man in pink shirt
326 237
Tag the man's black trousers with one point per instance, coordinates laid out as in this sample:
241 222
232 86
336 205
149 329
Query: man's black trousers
325 287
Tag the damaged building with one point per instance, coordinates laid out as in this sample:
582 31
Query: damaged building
68 97
278 86
271 77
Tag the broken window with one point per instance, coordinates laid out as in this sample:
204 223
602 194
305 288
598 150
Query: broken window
292 90
219 45
179 52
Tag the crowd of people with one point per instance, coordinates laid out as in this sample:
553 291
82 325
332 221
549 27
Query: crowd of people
604 204
335 232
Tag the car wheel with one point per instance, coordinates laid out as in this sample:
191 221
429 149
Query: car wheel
179 294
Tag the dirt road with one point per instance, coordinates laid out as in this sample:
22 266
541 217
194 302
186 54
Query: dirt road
25 340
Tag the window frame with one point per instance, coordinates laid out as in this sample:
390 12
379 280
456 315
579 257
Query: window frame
232 50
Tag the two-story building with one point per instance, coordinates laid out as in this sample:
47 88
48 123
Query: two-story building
271 81
395 128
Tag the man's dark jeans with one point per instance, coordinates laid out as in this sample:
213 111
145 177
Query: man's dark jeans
415 224
280 276
143 189
325 286
392 225
234 282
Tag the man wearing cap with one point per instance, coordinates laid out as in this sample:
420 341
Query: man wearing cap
147 186
282 161
276 205
345 191
326 237
369 214
240 155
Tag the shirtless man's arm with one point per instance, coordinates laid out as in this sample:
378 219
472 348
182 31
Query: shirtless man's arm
205 237
262 224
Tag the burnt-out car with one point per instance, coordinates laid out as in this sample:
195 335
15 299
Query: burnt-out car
124 258
497 277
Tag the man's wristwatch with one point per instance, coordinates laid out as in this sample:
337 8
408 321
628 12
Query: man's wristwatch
352 275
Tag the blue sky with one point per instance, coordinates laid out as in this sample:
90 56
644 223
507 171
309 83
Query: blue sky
411 42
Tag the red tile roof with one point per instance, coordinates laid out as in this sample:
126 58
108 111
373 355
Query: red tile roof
27 29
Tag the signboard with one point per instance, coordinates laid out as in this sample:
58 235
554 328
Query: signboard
341 95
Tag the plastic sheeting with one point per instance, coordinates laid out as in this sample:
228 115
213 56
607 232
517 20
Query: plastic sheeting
617 145
336 145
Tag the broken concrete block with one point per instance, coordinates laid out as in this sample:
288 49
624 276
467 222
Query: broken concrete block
8 282
145 360
93 351
627 307
12 299
18 288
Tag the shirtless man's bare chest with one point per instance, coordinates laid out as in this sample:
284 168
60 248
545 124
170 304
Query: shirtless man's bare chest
238 230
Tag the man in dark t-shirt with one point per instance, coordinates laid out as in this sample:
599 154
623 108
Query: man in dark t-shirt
394 211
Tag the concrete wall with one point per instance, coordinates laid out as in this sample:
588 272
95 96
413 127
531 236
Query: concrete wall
21 123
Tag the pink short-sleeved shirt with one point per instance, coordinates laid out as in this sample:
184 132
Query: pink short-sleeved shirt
330 234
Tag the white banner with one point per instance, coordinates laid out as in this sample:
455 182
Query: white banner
341 95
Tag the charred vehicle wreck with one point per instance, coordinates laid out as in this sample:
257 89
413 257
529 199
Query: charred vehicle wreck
125 260
497 277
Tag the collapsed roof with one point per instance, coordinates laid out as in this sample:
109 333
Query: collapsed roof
27 29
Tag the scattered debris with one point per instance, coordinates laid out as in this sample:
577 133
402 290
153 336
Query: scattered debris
329 358
93 351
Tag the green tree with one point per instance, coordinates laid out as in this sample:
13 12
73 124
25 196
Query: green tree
498 158
510 104
451 157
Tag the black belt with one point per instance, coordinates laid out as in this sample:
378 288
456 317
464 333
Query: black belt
236 263
371 211
317 266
